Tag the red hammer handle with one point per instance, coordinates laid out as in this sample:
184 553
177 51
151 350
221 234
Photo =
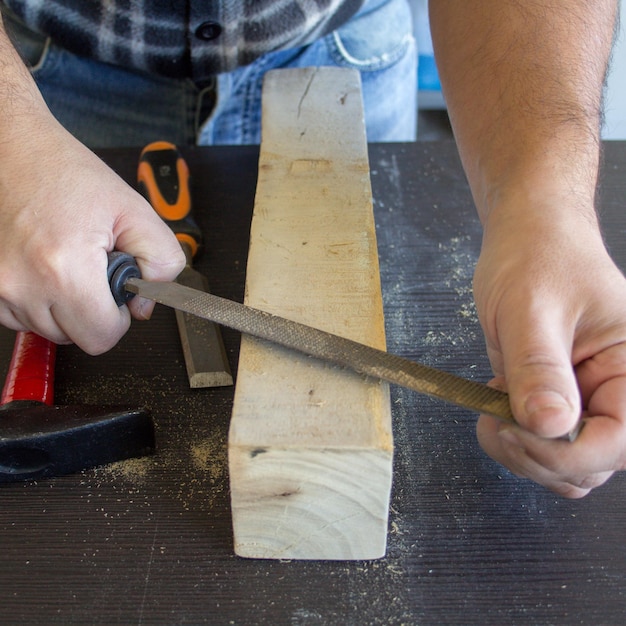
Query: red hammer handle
31 371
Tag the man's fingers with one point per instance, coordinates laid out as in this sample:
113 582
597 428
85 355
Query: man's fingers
571 469
142 233
141 308
539 376
103 328
136 233
607 371
88 314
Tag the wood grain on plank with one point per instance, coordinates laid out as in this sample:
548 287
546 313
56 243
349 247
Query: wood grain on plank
310 445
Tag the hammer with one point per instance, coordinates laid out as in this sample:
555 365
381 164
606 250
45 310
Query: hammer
41 440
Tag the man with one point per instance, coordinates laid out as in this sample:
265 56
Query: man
523 85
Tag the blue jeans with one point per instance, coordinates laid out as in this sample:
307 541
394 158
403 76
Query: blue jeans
108 106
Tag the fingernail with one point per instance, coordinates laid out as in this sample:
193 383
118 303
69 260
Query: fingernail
510 437
146 307
545 401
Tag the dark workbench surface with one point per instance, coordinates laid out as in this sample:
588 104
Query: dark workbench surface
149 541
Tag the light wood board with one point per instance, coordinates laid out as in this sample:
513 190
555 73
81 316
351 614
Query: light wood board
310 444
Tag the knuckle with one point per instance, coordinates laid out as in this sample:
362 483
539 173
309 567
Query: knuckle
594 480
571 492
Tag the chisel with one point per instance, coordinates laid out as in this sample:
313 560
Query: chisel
163 179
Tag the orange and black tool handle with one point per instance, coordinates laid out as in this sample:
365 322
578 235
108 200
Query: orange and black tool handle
31 371
163 179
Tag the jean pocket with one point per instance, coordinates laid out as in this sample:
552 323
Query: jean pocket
376 38
32 47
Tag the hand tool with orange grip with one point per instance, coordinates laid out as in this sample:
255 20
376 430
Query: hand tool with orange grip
41 440
163 179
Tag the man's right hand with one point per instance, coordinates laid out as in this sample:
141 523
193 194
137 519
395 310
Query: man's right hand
61 210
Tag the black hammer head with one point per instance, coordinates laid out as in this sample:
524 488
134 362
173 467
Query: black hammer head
41 441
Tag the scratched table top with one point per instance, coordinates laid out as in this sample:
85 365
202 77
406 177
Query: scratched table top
149 540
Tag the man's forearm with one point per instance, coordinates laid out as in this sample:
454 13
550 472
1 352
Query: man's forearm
523 84
19 97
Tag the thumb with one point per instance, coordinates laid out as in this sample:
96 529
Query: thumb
540 378
143 234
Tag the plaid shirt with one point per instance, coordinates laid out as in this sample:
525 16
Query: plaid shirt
182 38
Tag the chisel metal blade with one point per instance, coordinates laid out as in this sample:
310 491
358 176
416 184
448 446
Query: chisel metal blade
201 340
328 347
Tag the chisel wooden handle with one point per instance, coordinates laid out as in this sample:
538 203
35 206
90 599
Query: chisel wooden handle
31 371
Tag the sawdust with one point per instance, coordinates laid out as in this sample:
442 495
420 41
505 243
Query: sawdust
207 478
201 470
190 461
92 391
131 470
460 273
210 456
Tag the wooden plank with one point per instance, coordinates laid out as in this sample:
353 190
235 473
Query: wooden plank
310 445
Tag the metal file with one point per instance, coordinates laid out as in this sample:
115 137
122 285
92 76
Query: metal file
329 347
